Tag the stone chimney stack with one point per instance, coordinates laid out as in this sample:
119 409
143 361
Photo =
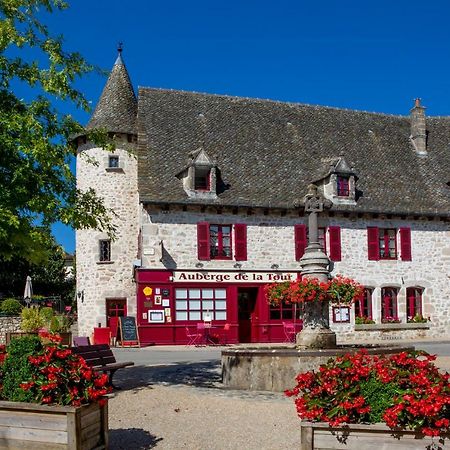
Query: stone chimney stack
418 128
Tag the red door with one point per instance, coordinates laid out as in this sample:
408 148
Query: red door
246 311
115 307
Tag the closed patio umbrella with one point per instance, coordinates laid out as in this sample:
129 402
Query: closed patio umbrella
28 293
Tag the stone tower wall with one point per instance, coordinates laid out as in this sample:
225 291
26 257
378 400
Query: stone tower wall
98 281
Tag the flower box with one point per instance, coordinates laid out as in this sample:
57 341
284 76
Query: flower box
29 425
320 435
391 326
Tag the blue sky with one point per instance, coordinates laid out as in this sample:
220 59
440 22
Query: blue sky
367 55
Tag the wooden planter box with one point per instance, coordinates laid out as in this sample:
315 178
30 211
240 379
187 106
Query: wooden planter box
319 435
66 336
32 426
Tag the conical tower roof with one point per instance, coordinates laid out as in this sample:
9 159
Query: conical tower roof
117 108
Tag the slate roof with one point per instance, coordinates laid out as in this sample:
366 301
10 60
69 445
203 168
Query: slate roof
117 108
268 152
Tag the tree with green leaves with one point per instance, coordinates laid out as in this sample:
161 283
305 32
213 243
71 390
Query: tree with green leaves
37 187
49 277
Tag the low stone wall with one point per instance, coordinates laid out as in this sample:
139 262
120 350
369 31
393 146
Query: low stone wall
8 325
275 368
386 332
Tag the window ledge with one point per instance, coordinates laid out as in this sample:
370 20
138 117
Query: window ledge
391 326
101 263
114 169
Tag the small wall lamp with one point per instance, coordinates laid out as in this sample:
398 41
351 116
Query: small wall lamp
274 266
80 296
199 265
237 265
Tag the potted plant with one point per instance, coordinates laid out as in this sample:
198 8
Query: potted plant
50 397
360 399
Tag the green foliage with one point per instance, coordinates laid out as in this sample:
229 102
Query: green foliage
17 368
379 395
363 320
11 307
37 185
47 315
31 319
54 325
48 277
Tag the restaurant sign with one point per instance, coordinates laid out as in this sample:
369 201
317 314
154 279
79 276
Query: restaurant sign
233 277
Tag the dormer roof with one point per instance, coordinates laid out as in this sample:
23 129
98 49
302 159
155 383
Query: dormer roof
116 110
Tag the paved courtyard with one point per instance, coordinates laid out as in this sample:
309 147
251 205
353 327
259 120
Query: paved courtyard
173 399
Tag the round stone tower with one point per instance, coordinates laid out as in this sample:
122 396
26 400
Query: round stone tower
104 267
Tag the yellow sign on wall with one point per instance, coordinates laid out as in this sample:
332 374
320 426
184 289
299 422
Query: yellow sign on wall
147 291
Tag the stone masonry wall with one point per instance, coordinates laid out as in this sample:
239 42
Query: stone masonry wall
270 240
8 325
98 281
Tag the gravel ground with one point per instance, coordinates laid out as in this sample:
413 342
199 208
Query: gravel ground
183 406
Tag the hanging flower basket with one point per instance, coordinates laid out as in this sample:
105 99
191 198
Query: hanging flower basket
339 290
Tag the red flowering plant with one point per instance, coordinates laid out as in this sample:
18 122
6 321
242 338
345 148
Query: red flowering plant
339 290
345 290
53 375
404 390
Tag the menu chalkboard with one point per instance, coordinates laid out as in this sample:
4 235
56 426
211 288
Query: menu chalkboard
128 333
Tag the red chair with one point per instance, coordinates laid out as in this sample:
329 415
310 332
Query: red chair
289 331
225 331
102 335
193 338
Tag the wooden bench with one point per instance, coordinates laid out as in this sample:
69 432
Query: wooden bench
101 358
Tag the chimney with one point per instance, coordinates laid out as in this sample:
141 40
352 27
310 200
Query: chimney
418 128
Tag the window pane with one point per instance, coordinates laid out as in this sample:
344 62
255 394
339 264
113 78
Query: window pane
207 315
207 293
208 304
113 161
221 293
180 293
180 304
194 293
181 315
221 304
194 304
105 250
275 314
221 315
226 231
194 315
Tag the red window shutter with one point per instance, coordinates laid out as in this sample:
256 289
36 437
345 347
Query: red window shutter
240 242
203 241
335 243
373 244
300 240
405 244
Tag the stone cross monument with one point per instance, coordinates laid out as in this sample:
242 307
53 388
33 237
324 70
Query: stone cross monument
314 263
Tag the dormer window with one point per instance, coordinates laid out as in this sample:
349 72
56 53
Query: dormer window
343 186
202 178
113 162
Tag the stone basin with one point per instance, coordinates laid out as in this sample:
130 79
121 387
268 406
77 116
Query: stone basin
274 369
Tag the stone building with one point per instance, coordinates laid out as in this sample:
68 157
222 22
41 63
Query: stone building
209 196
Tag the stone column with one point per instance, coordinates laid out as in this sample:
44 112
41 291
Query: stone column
314 263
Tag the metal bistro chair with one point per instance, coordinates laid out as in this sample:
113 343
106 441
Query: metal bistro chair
192 337
289 331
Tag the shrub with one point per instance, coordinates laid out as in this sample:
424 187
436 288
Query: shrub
31 320
17 367
404 390
11 307
47 315
52 374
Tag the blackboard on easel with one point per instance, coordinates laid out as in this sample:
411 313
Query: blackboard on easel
127 332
